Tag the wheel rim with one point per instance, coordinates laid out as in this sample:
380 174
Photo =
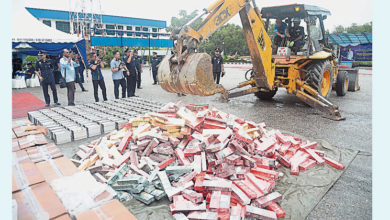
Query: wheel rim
346 84
325 84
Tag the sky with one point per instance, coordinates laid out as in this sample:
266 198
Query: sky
344 12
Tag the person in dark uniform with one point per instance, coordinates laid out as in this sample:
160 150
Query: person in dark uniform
79 72
218 68
16 64
30 71
155 61
133 68
138 63
95 65
296 33
82 67
44 71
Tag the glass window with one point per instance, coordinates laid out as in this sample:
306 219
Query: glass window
145 29
110 26
63 26
120 27
129 28
154 35
47 22
138 34
154 29
137 28
129 34
110 32
145 35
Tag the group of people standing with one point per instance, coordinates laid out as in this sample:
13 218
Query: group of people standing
126 74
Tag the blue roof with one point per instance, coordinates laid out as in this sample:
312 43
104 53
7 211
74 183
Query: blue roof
64 15
345 39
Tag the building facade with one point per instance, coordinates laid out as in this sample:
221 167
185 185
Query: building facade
107 30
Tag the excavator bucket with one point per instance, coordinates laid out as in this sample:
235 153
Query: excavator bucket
194 76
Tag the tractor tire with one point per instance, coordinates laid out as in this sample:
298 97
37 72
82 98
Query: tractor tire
320 77
342 83
266 95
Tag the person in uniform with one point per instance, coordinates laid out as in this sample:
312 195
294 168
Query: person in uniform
131 76
218 67
79 73
117 75
30 71
296 33
138 63
67 67
95 65
155 61
44 71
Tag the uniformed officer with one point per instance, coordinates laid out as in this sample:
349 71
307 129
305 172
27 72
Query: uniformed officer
131 76
30 71
218 67
296 33
79 71
97 78
138 63
44 71
155 61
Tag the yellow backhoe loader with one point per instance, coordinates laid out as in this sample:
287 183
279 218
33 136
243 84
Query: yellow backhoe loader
309 74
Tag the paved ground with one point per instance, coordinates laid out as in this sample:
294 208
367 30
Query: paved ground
350 197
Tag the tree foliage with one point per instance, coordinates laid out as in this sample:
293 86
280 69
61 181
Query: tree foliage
354 28
184 18
229 38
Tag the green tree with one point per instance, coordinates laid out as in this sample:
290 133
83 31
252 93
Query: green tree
354 28
229 38
184 18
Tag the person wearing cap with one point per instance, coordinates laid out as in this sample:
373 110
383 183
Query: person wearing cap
154 63
218 67
138 64
296 33
67 66
117 76
95 65
44 71
131 75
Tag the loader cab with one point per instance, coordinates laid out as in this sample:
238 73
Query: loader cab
312 19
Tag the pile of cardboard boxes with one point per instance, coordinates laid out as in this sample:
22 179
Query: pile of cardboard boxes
44 182
210 164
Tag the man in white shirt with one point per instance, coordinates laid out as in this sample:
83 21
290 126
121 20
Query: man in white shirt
67 66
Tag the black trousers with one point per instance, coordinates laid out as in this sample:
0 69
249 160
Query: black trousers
102 85
138 79
79 80
155 76
217 76
298 45
122 83
70 87
131 82
45 87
